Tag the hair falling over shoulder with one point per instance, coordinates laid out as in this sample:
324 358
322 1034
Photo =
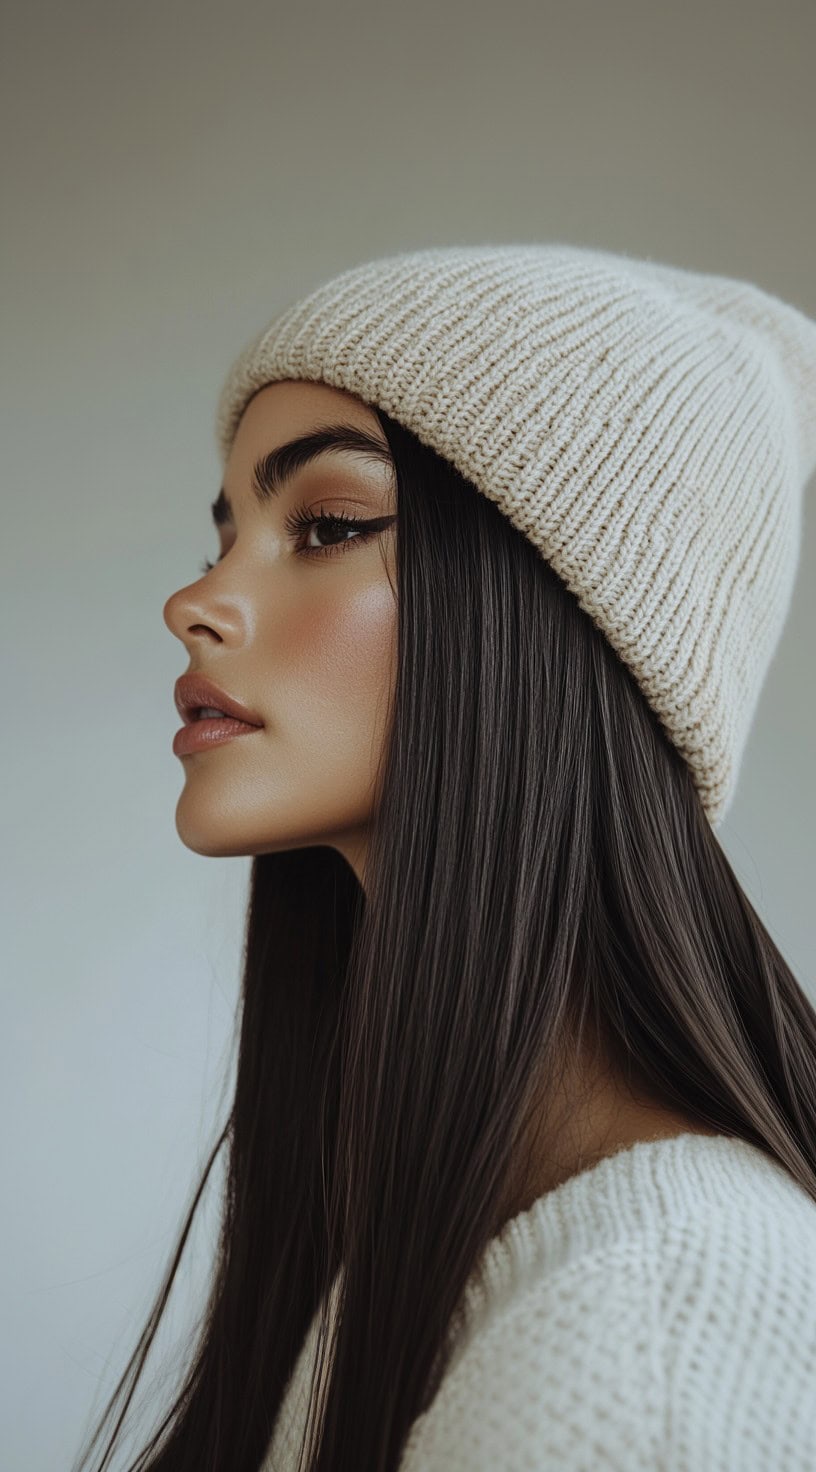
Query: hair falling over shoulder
539 863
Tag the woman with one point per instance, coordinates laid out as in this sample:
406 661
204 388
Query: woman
522 1153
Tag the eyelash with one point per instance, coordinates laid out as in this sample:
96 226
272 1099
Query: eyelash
301 519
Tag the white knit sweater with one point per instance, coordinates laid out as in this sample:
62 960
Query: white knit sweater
655 1313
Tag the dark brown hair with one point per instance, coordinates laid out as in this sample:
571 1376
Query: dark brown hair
539 860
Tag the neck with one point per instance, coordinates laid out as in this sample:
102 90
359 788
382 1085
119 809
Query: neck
592 1112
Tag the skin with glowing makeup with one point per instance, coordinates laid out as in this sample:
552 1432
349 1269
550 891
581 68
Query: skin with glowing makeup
300 626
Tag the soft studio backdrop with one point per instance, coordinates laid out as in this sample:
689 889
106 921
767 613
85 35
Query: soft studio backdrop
174 174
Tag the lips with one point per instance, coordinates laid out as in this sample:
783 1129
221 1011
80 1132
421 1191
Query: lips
194 692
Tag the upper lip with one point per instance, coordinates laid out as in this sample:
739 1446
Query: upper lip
191 692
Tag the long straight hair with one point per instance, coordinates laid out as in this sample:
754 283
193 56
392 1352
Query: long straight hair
539 864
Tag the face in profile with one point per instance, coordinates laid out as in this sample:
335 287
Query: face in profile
295 620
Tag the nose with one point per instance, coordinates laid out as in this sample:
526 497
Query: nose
203 613
184 615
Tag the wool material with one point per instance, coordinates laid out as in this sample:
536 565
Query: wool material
654 1313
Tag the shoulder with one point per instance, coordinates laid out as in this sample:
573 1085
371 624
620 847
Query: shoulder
738 1312
566 1375
690 1345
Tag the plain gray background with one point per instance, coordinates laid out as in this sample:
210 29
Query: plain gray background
174 175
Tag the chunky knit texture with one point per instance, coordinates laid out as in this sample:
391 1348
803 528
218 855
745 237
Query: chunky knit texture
655 1313
649 428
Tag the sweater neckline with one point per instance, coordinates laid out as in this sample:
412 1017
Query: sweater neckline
628 1193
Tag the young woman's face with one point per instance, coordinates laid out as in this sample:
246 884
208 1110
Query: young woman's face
300 627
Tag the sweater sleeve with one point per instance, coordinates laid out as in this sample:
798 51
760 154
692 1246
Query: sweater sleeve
567 1376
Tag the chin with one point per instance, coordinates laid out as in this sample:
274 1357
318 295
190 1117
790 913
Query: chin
208 845
210 837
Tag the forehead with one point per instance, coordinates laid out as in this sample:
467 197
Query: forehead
279 411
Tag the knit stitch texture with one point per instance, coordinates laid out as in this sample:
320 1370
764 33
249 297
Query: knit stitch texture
655 1313
650 429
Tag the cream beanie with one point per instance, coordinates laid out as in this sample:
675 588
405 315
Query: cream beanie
650 429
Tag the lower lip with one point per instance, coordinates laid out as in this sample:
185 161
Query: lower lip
201 735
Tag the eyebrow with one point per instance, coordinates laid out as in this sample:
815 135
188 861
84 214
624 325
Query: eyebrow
274 470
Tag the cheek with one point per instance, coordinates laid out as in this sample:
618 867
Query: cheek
341 654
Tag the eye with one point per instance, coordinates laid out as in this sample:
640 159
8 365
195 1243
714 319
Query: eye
301 520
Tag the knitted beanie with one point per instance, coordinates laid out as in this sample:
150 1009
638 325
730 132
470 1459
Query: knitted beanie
649 428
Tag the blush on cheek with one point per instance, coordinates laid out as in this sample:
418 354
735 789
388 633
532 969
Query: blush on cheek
345 649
